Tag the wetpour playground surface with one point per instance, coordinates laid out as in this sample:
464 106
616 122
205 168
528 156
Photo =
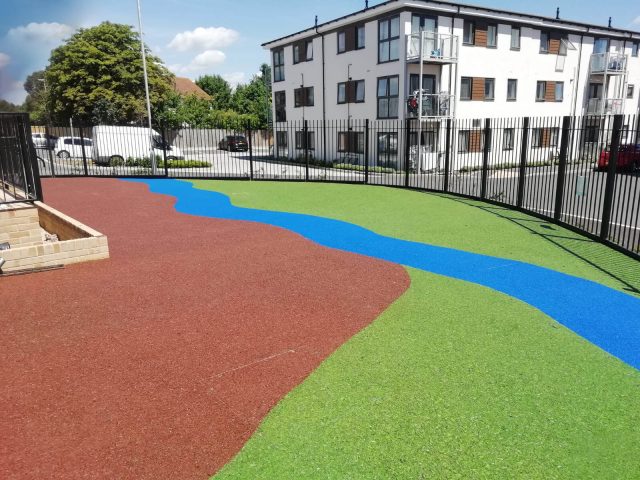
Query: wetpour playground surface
269 330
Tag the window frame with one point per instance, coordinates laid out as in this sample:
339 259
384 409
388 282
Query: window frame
544 90
343 34
495 38
389 155
630 89
389 39
280 108
512 81
472 25
354 142
508 145
364 37
296 48
489 81
635 46
519 30
470 79
311 139
308 97
278 67
388 97
466 135
555 92
544 48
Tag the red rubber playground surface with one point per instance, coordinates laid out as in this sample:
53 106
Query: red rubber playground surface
162 361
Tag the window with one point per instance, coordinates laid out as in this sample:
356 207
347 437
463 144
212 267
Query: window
489 88
468 33
536 137
351 39
280 102
281 141
351 142
601 45
303 51
429 139
591 134
492 36
388 39
388 97
554 134
428 83
351 91
387 148
278 65
300 143
303 97
359 37
512 89
465 88
544 42
515 38
630 91
342 42
507 139
463 141
559 94
595 90
544 137
634 49
562 48
541 89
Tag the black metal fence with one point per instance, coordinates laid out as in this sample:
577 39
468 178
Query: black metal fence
19 180
582 172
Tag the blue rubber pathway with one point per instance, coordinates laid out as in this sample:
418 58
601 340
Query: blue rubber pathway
606 317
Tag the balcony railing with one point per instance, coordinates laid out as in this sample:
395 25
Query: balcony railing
609 63
436 47
605 106
433 105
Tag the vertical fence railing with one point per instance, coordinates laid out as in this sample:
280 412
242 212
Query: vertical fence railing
549 166
19 169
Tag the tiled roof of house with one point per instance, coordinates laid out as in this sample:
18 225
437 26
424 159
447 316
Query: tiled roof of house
185 86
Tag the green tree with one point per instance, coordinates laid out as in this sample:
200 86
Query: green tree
218 88
36 101
253 99
97 76
9 107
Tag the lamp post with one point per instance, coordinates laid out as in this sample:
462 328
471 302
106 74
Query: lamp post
154 169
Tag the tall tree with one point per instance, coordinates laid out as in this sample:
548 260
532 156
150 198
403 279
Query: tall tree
218 88
97 76
254 99
35 103
6 106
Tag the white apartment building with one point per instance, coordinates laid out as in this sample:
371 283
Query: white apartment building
475 63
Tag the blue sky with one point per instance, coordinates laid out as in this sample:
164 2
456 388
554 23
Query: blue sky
196 37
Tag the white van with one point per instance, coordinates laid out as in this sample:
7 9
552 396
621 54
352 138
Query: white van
116 145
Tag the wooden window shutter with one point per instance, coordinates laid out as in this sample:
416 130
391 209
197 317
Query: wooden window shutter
475 141
554 43
550 92
546 138
350 39
481 34
477 88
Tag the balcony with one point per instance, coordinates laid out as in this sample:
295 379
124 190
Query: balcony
436 47
436 105
608 63
605 106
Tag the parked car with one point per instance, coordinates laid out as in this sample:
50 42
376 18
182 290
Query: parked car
628 158
71 147
234 143
42 140
115 145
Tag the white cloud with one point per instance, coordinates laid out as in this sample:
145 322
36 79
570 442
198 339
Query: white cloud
202 63
4 60
41 32
204 39
234 78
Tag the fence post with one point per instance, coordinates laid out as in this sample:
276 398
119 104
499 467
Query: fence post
407 150
562 167
485 157
49 149
524 149
366 151
611 177
164 151
84 155
250 140
28 155
305 134
447 156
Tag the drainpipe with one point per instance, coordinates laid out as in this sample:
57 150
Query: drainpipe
577 80
324 98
